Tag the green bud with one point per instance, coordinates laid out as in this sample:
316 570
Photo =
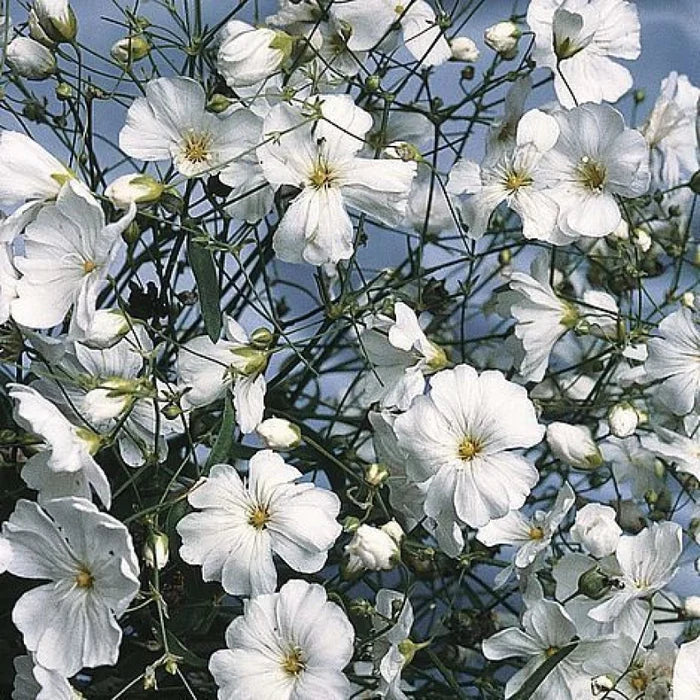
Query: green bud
131 233
639 96
594 583
372 83
130 49
262 338
219 103
351 523
64 91
694 183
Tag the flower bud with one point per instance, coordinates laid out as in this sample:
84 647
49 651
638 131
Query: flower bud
156 550
376 474
394 530
262 338
464 49
642 240
219 103
595 528
503 38
52 21
248 55
688 300
30 59
279 434
107 328
130 49
694 183
574 445
136 189
594 583
601 684
402 150
104 404
691 607
372 549
64 92
623 419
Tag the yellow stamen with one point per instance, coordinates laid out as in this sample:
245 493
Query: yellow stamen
89 266
196 147
551 651
321 176
84 579
292 663
259 517
592 174
469 448
515 180
536 533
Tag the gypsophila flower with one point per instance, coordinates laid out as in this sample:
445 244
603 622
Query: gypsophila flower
242 524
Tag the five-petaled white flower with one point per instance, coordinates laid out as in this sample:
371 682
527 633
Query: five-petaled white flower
89 563
68 249
242 524
462 439
577 39
291 645
320 157
171 123
514 178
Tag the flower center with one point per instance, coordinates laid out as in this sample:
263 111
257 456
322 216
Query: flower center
536 533
399 9
514 180
469 448
259 517
322 175
638 680
551 651
196 146
292 663
84 579
592 174
89 266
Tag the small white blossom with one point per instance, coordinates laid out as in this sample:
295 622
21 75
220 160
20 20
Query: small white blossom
574 445
294 644
374 548
595 528
503 37
623 420
464 49
279 434
242 524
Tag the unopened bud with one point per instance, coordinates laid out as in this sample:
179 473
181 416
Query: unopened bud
219 103
376 474
136 188
694 183
594 583
64 91
261 338
156 551
30 59
52 21
130 49
279 434
623 420
464 49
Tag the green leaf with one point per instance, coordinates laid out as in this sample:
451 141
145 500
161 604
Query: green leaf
207 278
537 678
221 451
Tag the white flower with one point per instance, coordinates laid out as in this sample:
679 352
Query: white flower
248 55
596 159
374 548
171 123
530 535
670 131
462 439
578 37
623 420
136 188
541 317
92 573
29 177
64 465
251 196
595 528
674 359
52 21
293 644
8 281
33 682
501 137
574 445
400 355
30 59
371 20
683 451
503 37
67 253
686 672
515 178
279 434
392 648
104 388
547 628
242 524
632 463
320 158
209 369
647 561
464 49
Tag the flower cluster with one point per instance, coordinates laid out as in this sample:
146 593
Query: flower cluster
338 360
